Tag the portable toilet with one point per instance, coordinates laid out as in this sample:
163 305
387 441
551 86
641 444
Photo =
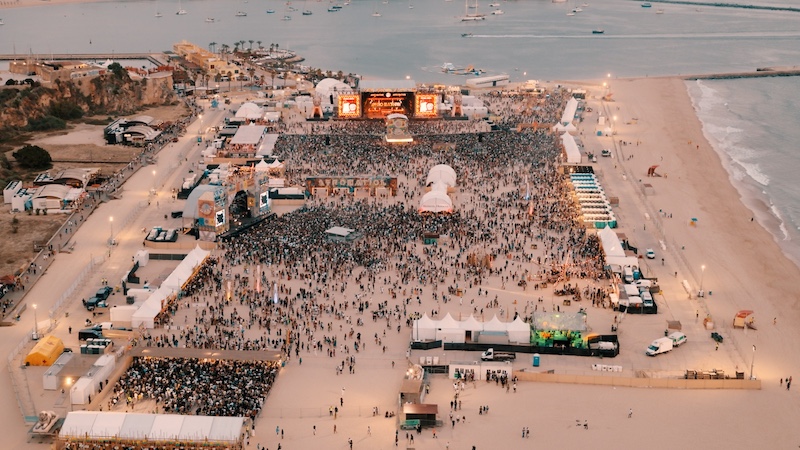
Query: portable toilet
535 360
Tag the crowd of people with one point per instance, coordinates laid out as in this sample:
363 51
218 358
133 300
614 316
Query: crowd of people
192 386
283 285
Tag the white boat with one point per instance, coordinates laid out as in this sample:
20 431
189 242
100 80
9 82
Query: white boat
241 14
209 19
577 10
471 17
287 18
497 12
181 11
270 11
376 14
307 12
494 5
158 14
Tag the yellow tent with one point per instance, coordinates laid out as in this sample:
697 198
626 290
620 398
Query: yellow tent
45 352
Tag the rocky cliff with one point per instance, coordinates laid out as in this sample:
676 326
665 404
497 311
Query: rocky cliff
108 94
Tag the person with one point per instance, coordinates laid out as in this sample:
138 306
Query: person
630 413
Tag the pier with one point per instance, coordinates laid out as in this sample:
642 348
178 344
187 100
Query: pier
158 59
726 5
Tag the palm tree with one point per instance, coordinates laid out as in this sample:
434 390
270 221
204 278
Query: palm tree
225 48
260 47
251 44
235 46
212 46
271 47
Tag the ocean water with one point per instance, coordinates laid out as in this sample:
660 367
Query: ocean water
533 39
752 124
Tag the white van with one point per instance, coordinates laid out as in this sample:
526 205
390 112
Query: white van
627 274
677 337
661 345
647 299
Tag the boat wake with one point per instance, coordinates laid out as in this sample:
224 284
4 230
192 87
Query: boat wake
588 35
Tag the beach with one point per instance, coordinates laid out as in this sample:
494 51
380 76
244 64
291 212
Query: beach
743 269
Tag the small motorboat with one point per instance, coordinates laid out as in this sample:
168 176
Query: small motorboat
241 14
270 11
598 31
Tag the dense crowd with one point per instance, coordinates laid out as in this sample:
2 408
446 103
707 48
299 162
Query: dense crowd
283 285
201 387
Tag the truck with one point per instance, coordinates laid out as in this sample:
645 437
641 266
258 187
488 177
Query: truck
491 355
678 338
93 303
660 345
99 299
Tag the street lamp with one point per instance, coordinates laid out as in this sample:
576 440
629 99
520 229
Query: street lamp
111 230
35 334
702 276
752 361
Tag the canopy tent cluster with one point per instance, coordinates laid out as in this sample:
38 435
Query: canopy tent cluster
441 178
449 329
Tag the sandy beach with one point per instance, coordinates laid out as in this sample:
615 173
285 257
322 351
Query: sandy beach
744 269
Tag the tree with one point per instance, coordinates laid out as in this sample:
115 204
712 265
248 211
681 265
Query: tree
260 47
118 71
251 44
212 47
33 157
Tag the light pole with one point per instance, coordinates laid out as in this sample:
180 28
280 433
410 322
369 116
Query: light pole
111 230
702 276
752 361
35 334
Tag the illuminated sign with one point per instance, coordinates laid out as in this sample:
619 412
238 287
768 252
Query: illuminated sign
426 105
349 106
381 104
264 201
351 183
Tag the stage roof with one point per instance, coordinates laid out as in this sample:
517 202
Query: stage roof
387 85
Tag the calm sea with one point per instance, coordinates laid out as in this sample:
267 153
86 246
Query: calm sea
533 39
751 123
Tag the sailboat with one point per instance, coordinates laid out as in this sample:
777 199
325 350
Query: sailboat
158 13
180 11
474 16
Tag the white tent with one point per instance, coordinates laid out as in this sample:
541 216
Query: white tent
249 111
185 269
147 312
495 325
569 111
519 332
610 242
448 330
443 173
151 427
471 324
424 329
436 201
571 149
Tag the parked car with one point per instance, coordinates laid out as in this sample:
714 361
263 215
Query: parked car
650 253
605 153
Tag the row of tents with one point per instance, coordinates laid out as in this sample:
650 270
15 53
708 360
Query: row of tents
451 330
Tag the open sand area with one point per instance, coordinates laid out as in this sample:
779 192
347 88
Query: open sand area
744 270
